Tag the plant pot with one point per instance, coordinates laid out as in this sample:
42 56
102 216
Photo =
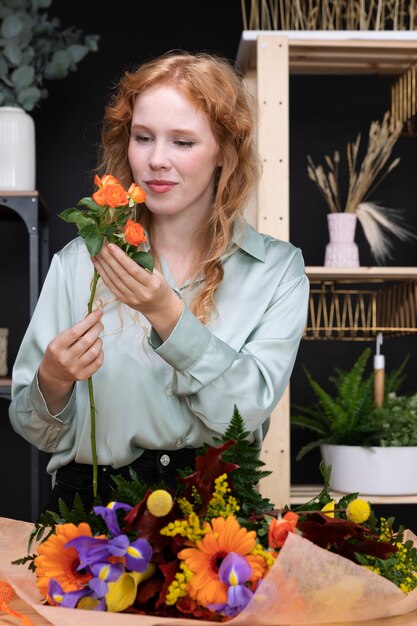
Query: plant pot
17 150
374 471
342 251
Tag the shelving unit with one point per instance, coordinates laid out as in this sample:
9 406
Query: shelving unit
28 206
300 494
32 210
266 59
354 304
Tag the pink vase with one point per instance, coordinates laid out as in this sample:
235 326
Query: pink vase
342 250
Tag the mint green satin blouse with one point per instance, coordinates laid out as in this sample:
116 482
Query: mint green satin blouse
178 393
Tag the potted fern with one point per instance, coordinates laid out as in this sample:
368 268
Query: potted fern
371 450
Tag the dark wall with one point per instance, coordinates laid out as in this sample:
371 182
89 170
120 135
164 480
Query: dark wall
326 112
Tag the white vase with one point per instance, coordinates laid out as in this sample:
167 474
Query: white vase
17 150
342 250
390 471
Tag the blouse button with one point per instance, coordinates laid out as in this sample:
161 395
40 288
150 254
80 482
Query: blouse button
179 442
169 391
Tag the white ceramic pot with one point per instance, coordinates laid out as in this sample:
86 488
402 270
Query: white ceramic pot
17 150
342 250
375 471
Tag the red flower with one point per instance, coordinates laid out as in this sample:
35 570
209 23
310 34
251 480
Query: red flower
134 233
279 529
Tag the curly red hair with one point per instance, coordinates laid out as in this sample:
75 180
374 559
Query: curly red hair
215 88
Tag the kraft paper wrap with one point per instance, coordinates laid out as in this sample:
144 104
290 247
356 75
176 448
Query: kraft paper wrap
306 585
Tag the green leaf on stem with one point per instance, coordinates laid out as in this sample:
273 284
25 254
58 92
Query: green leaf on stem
144 259
90 204
94 242
75 216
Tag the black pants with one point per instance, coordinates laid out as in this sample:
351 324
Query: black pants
153 467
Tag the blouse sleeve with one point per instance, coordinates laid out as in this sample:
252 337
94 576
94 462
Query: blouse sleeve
213 376
28 411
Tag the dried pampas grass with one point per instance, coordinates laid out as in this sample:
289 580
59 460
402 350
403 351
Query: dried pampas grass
378 222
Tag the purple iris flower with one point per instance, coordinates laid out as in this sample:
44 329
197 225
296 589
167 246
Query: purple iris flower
137 554
108 513
237 598
90 550
234 571
93 550
104 573
70 599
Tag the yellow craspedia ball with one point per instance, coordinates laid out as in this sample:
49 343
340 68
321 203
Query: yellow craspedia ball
159 503
358 511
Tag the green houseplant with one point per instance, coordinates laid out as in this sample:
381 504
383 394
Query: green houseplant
367 446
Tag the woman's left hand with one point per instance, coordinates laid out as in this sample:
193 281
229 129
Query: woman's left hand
140 289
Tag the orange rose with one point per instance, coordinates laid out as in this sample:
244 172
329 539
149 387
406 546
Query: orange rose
134 233
111 195
136 193
98 197
279 529
107 179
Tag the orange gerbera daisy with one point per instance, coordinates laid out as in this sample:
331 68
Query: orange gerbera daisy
56 561
224 535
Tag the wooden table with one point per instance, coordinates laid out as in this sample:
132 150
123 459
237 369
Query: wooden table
21 607
18 605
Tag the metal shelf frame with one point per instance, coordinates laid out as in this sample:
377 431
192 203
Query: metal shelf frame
29 207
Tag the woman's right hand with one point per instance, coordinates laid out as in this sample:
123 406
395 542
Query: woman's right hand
75 354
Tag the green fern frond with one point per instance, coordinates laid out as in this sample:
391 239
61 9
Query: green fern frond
395 379
314 412
349 417
311 446
128 491
349 384
247 476
333 412
310 423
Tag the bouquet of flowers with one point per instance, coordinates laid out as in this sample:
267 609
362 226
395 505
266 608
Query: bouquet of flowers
216 549
109 214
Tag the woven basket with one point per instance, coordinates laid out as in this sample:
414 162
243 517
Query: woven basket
4 332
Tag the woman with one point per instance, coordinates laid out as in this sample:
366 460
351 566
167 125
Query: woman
219 321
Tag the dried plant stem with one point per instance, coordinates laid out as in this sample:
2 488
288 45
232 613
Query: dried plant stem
330 14
378 222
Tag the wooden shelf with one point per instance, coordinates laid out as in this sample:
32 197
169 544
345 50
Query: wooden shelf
5 387
337 52
360 274
301 494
